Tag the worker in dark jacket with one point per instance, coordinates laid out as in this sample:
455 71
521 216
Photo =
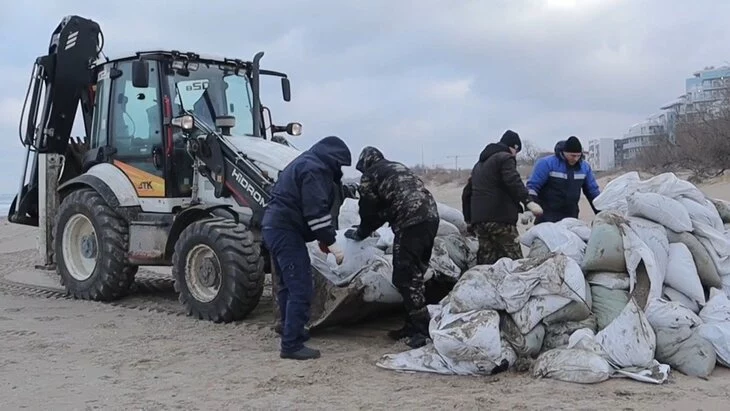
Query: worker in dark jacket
557 181
392 193
299 212
493 198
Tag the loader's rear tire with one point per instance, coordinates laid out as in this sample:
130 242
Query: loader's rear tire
90 242
218 270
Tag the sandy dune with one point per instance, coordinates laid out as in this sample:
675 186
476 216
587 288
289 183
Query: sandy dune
62 354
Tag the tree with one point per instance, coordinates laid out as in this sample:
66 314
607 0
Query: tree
529 153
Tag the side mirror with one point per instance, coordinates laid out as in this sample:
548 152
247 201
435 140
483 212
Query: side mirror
185 122
286 89
294 129
140 74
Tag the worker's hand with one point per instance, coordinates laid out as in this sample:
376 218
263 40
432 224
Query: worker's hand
534 208
338 252
352 234
527 217
323 248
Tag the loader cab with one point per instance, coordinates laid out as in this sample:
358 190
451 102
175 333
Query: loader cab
137 97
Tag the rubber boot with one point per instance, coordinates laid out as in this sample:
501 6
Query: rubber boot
419 334
305 353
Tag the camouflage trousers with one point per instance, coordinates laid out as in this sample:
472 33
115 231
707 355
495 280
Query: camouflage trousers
497 240
411 255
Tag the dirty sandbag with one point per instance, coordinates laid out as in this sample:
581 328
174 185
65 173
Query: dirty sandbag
612 281
629 340
538 250
525 345
558 238
659 209
459 251
704 212
558 334
607 304
613 196
717 245
370 292
575 310
579 227
685 350
682 273
446 228
452 215
572 365
441 264
706 269
605 248
385 237
357 255
646 247
509 284
723 208
673 295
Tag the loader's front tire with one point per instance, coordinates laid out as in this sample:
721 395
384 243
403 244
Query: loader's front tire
90 242
218 270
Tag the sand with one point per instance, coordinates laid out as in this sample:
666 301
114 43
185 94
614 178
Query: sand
61 354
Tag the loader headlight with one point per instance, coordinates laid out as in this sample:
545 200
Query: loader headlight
185 122
294 129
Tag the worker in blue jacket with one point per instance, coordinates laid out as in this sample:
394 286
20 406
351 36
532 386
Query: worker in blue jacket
300 212
557 181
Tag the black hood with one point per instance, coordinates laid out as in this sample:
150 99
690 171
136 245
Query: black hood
368 157
492 149
333 152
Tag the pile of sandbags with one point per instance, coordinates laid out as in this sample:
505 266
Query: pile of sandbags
650 279
362 285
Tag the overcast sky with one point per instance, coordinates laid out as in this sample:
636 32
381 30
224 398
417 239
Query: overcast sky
439 77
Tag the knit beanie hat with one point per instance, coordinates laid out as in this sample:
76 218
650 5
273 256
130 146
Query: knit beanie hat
511 139
572 145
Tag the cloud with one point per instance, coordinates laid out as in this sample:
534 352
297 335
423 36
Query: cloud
440 79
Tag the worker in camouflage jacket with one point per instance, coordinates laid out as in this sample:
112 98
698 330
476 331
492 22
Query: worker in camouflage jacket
493 198
391 193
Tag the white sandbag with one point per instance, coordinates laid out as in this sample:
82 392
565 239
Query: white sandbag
376 280
659 209
646 242
452 215
427 359
673 295
612 281
668 184
574 310
446 228
538 249
704 212
579 227
509 284
629 340
613 196
716 324
572 365
717 245
357 255
704 263
459 250
723 208
655 373
385 239
682 273
557 335
441 263
607 304
525 345
605 248
670 314
349 214
558 238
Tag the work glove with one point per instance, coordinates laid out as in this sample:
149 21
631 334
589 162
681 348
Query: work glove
337 251
353 234
534 208
527 218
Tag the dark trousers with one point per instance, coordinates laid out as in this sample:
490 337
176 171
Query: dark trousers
294 288
411 255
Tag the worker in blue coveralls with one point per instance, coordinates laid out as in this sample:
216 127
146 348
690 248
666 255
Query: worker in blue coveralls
299 212
557 181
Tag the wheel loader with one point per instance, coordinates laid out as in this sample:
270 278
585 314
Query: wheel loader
174 170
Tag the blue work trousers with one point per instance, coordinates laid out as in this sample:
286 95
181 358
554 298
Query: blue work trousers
294 271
